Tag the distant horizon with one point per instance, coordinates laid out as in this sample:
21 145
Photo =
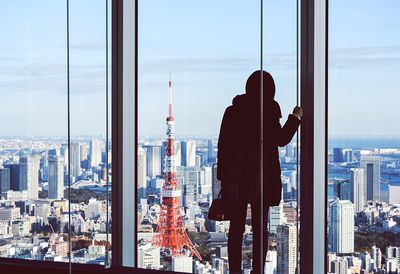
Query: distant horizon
154 136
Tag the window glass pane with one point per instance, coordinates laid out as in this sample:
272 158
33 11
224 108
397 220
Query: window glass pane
207 50
363 178
90 205
280 59
34 131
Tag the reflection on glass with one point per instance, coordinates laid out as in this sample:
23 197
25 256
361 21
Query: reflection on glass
363 167
209 61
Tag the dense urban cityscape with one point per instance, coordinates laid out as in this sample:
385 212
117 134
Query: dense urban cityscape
35 206
363 206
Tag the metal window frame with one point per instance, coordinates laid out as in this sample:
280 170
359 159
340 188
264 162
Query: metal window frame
314 96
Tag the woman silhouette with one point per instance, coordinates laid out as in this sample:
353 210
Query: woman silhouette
239 162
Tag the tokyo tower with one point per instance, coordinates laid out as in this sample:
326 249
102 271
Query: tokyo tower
170 233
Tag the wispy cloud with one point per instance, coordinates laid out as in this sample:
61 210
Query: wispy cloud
360 57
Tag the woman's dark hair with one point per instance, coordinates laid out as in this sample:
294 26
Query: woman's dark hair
253 84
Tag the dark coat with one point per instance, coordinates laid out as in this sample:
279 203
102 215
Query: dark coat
239 149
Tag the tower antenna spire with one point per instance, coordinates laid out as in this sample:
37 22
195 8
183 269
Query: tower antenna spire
170 96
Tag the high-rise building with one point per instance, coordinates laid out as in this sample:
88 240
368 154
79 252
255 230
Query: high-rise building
340 266
377 257
141 170
337 155
372 174
153 160
14 176
4 179
357 189
394 194
216 184
95 152
341 226
276 217
393 252
188 149
191 178
29 175
56 176
75 159
210 150
84 153
205 186
366 259
349 156
287 249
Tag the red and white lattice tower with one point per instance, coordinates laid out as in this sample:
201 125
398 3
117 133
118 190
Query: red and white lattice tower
170 233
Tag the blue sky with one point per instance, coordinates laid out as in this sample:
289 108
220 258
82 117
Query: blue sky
210 46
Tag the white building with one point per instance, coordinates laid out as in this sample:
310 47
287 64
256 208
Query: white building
377 257
276 217
394 194
56 177
188 149
357 189
95 152
271 262
29 175
182 264
341 226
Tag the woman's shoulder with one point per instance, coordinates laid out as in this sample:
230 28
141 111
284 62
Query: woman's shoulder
275 109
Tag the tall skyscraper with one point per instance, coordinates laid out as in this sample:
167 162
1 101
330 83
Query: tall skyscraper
191 178
216 184
372 174
341 226
95 152
153 160
14 176
349 156
141 169
357 196
337 155
188 149
4 179
84 153
56 176
286 249
75 159
393 252
29 175
210 150
377 257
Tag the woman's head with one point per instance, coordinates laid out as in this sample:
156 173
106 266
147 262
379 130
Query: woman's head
253 84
